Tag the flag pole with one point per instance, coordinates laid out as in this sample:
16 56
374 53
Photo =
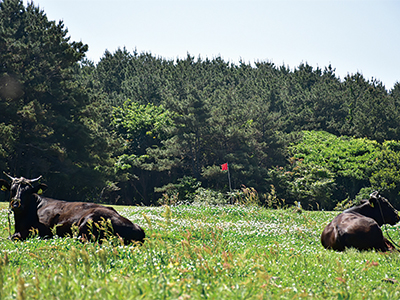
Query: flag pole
229 179
225 167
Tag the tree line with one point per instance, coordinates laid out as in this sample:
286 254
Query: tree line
136 126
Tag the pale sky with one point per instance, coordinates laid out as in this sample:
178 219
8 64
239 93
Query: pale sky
351 35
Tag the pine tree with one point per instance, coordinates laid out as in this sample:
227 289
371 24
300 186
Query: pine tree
41 103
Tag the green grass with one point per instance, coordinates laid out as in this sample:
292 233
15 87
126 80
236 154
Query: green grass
193 252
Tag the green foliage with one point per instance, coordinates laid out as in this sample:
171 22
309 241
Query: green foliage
241 114
45 126
386 176
183 191
69 120
140 124
211 123
247 196
346 157
367 103
325 169
311 185
363 194
206 197
142 127
7 140
272 200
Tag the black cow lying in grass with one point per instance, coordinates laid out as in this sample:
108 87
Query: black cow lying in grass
359 227
46 216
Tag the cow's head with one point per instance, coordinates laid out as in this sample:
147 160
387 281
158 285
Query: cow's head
21 190
385 212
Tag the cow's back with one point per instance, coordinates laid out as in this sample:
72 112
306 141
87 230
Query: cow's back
353 230
330 238
51 211
64 215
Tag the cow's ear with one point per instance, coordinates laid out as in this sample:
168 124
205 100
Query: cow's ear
4 185
373 198
372 201
40 189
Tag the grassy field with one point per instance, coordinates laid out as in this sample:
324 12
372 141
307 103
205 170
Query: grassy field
230 252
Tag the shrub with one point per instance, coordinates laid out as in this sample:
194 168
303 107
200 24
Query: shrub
182 191
209 197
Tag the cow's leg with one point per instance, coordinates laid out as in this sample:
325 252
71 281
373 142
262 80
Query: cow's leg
93 227
331 239
387 246
35 229
87 229
17 236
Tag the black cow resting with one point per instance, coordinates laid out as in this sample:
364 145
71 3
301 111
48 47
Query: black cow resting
359 226
42 214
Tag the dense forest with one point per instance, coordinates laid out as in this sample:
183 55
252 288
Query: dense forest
136 128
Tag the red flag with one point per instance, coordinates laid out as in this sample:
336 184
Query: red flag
224 167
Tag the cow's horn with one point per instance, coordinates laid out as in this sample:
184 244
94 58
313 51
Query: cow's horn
9 176
34 180
374 194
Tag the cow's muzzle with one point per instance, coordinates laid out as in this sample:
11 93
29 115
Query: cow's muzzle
15 203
